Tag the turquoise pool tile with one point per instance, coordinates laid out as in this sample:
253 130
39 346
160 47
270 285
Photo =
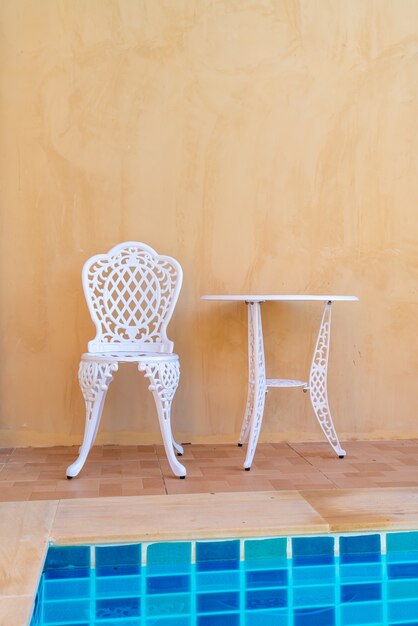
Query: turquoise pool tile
264 553
402 542
403 610
169 558
66 612
402 589
182 620
360 548
216 581
274 617
171 604
118 586
217 555
360 572
114 608
319 595
362 614
226 619
311 575
66 589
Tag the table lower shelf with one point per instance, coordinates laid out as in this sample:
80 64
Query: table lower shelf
284 382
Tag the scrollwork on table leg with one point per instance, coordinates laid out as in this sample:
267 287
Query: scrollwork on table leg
317 385
259 384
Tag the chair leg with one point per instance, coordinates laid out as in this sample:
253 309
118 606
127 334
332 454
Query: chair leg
317 385
178 448
94 379
164 379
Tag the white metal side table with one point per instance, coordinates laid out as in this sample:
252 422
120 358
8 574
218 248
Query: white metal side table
258 384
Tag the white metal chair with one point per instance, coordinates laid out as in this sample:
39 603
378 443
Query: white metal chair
131 293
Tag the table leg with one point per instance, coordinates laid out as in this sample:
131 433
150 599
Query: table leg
246 424
317 385
256 383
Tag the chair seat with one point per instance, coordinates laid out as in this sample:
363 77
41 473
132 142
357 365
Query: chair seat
129 357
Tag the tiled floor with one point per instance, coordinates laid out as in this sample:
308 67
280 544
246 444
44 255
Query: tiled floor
39 473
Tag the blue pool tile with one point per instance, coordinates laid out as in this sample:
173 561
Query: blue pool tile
223 581
262 553
361 593
266 599
312 551
231 619
168 584
113 608
118 559
217 555
66 612
402 570
172 604
266 578
314 617
72 557
69 572
217 602
118 570
360 549
169 558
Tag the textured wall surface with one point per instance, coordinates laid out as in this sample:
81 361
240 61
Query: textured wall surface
269 145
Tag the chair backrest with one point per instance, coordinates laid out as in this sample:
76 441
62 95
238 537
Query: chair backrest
131 293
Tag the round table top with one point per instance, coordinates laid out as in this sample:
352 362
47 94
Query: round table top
280 298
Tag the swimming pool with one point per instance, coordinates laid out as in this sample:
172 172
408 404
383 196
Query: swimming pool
326 580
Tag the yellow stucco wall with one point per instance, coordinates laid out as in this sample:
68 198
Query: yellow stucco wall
270 146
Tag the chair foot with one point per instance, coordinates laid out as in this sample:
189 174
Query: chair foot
240 445
70 477
341 456
182 477
247 469
180 454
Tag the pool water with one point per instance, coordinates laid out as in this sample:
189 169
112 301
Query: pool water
346 580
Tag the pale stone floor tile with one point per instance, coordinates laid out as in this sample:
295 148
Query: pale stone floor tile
24 532
15 610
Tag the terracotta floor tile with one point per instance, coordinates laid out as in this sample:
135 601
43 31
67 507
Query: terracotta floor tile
39 473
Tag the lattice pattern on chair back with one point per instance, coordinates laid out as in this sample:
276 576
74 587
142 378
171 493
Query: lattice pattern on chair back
131 292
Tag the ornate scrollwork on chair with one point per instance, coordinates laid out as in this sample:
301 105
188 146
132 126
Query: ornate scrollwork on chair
131 293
